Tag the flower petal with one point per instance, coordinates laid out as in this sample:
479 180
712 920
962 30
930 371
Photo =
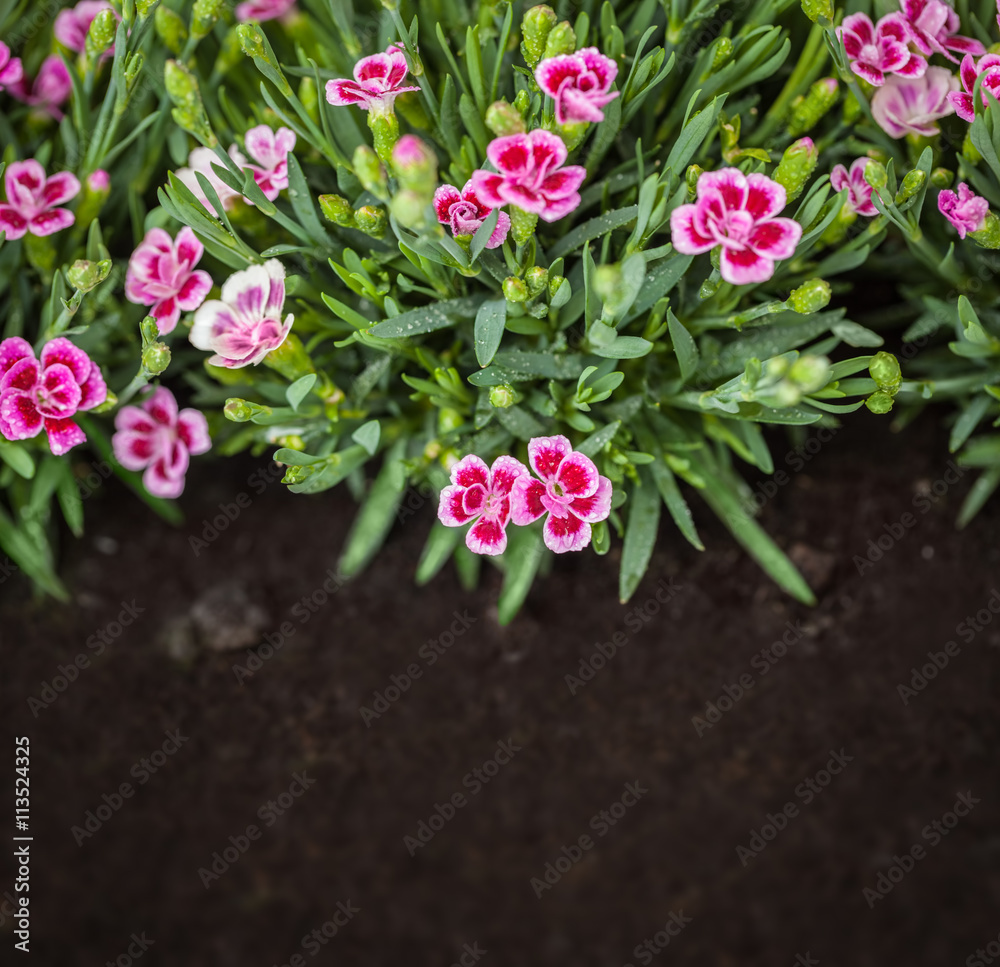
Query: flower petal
486 536
596 507
503 473
451 509
63 435
545 453
19 417
776 238
192 429
50 222
577 475
61 351
684 234
745 267
526 500
765 198
470 470
13 349
562 534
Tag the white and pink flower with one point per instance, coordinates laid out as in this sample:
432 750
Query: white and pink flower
934 27
482 495
580 84
965 210
987 65
529 175
200 161
570 491
269 150
464 213
159 439
72 25
33 200
161 273
261 10
11 69
914 105
877 50
48 392
50 88
378 81
859 192
244 325
738 212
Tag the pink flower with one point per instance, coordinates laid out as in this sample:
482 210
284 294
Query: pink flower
245 325
47 392
161 273
570 490
32 200
859 192
270 149
49 90
934 28
377 83
738 212
911 106
483 495
99 181
155 437
261 10
11 70
989 67
529 175
464 212
200 160
71 25
579 83
879 50
966 210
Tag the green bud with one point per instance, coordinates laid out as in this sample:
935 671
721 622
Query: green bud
189 111
449 420
723 51
170 29
691 176
522 102
942 178
561 40
242 411
385 133
810 297
503 119
337 209
809 109
101 34
230 53
369 171
415 165
503 396
879 402
852 109
155 359
810 373
969 151
371 220
796 166
514 289
818 10
913 181
884 369
143 7
84 275
255 45
290 359
203 17
522 224
536 26
536 278
708 288
297 475
309 96
133 68
409 208
875 175
989 235
555 281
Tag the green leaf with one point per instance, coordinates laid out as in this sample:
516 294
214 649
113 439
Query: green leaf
70 501
367 436
30 557
298 391
490 321
331 470
483 233
18 459
520 560
441 544
855 335
624 347
429 318
694 134
968 422
978 494
640 536
685 347
594 228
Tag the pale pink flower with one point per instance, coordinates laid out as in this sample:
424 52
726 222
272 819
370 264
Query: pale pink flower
50 88
261 10
464 212
934 28
966 210
579 83
530 175
71 25
875 51
270 150
47 392
32 200
201 160
378 81
158 439
481 494
161 273
738 212
11 70
245 325
859 192
913 105
99 181
570 491
987 65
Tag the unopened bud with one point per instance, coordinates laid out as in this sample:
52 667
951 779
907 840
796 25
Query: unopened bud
810 373
536 278
969 151
796 166
536 26
155 358
409 208
809 109
101 34
242 411
810 297
989 235
818 10
879 402
503 119
99 181
884 369
555 281
143 7
913 181
385 133
309 96
337 209
415 165
875 175
561 40
514 289
189 111
255 45
691 176
203 17
369 171
170 29
503 396
723 51
371 220
942 178
84 275
522 102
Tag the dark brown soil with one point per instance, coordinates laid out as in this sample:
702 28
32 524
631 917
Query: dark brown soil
700 798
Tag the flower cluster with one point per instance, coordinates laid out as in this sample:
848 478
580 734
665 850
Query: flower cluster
33 200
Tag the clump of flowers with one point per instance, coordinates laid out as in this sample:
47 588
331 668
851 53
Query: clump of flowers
877 50
965 209
463 212
33 200
482 495
988 66
915 106
859 192
378 81
580 84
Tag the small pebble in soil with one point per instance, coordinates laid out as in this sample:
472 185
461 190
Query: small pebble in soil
227 618
106 545
927 552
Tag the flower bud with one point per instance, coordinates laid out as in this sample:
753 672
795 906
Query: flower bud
409 208
369 171
96 188
810 373
522 224
879 402
337 209
99 182
723 51
255 45
561 40
384 126
969 151
503 396
242 411
189 111
155 359
536 278
691 176
796 166
514 289
503 119
522 102
912 182
101 34
884 369
143 7
808 110
170 29
818 10
555 281
810 297
536 26
415 165
942 178
290 359
371 220
875 175
203 17
84 275
309 96
134 63
989 235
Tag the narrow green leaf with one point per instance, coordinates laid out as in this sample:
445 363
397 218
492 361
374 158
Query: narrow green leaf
640 536
367 436
298 391
490 321
685 347
521 560
441 544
